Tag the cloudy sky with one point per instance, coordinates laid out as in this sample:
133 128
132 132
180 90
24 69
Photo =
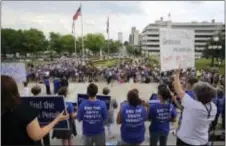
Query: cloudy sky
57 15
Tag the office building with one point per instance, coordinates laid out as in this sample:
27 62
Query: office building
134 37
120 37
203 32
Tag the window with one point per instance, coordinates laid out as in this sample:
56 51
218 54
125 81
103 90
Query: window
204 31
153 40
153 35
154 46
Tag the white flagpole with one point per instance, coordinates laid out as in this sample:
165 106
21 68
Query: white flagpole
108 35
169 20
82 33
75 40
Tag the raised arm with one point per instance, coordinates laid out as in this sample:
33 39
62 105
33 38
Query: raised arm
177 85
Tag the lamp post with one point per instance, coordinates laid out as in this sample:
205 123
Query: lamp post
214 47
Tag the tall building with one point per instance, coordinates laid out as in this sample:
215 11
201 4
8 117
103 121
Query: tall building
120 37
203 32
134 36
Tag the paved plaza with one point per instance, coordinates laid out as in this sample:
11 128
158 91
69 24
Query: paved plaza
119 92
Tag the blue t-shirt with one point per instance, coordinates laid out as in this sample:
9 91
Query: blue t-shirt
191 94
93 114
70 107
46 82
132 127
57 85
154 96
161 115
220 104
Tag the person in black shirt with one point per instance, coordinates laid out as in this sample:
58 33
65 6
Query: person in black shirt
20 124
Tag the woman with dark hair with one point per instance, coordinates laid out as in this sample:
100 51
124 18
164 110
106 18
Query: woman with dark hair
197 114
132 116
66 134
161 114
20 124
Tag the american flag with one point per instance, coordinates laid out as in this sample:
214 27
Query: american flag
75 17
78 13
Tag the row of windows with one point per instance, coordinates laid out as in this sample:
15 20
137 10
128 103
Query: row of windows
157 40
197 51
197 36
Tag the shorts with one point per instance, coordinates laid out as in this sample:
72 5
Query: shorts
98 140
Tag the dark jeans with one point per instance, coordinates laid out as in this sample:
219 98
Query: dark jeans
181 143
156 137
48 92
46 140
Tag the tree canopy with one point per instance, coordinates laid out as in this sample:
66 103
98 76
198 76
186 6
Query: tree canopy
34 41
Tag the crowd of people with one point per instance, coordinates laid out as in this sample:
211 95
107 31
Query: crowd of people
79 71
198 95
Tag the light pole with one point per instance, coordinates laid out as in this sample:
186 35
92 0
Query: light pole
214 48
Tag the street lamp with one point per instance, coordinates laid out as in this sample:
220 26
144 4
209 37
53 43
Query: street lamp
214 46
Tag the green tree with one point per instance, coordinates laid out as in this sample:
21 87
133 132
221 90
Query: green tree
11 41
55 42
34 41
215 53
67 43
94 42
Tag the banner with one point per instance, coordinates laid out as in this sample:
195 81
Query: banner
15 70
49 107
106 99
176 48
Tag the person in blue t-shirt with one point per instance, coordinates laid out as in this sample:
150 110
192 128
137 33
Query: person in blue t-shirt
132 116
93 113
219 102
47 84
57 85
161 114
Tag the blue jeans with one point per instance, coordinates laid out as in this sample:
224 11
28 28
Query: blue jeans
156 137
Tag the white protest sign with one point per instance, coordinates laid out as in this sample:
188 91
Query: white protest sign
176 48
15 70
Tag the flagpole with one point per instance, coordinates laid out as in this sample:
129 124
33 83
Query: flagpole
75 40
108 37
82 33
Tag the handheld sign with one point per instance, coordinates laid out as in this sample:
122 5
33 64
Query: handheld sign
49 107
176 48
15 70
106 99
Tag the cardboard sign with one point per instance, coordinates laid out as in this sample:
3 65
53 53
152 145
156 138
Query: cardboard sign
49 107
16 70
176 48
106 99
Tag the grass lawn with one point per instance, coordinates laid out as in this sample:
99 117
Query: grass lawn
204 63
200 63
106 63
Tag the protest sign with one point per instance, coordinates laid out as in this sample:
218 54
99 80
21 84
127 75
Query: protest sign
49 107
176 48
106 99
16 70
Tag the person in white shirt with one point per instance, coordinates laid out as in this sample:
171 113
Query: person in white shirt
197 113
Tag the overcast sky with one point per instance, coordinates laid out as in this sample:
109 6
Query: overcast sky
57 15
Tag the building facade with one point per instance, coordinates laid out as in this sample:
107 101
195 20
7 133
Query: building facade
120 37
203 32
134 37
